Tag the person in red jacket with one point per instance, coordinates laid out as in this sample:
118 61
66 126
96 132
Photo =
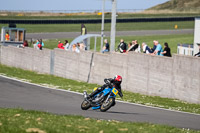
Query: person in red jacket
7 36
25 44
60 45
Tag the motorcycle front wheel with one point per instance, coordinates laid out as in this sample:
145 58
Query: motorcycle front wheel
85 105
107 105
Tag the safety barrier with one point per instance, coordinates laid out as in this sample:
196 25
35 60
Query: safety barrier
76 21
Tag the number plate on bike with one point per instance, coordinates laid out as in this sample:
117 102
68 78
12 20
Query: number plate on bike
115 91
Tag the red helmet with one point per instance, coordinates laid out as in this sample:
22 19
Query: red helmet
118 79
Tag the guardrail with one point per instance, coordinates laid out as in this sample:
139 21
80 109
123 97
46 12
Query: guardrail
80 21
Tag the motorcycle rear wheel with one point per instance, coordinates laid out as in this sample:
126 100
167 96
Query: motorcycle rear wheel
107 105
85 105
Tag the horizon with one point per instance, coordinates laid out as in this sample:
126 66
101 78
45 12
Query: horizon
65 5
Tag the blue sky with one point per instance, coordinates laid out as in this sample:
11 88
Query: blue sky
75 4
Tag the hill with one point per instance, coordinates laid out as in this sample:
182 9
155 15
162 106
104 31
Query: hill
178 5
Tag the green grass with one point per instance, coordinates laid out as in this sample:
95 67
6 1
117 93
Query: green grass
172 40
77 86
39 28
21 121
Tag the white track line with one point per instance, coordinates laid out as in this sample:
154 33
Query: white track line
13 78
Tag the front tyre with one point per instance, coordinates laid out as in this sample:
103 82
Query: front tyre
107 105
85 105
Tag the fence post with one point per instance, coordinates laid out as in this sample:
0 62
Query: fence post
52 56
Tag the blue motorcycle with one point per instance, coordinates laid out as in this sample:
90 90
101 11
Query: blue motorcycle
104 100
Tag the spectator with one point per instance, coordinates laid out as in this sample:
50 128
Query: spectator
7 36
138 49
106 47
60 45
82 46
25 44
130 46
158 50
198 54
75 48
35 46
134 47
66 45
83 29
145 48
122 47
40 44
154 46
166 51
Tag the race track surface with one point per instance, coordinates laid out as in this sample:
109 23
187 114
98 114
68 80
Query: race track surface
15 94
57 35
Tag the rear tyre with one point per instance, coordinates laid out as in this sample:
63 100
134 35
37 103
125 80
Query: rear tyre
107 105
85 105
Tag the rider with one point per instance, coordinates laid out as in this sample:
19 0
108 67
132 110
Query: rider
115 82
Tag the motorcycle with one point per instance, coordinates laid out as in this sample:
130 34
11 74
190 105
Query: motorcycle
104 100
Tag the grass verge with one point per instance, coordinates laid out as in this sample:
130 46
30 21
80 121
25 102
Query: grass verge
20 121
77 86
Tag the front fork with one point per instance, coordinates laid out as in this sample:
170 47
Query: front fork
106 101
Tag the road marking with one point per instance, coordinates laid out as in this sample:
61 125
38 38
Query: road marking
20 80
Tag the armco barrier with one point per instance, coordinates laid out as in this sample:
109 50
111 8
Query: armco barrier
89 21
177 77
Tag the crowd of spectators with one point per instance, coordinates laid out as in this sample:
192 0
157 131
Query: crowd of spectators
134 46
122 47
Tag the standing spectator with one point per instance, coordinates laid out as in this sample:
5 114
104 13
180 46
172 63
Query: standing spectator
198 54
25 44
122 47
145 48
83 29
166 51
7 36
60 45
158 50
66 45
106 48
84 32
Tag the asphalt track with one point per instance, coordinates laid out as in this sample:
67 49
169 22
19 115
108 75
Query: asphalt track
57 35
15 94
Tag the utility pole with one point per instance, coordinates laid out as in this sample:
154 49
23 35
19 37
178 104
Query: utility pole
102 25
113 25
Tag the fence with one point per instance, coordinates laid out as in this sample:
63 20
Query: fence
177 77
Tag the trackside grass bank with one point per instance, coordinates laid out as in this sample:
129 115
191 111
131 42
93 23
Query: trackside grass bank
77 86
20 121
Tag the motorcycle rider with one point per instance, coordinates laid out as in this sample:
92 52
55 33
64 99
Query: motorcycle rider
115 82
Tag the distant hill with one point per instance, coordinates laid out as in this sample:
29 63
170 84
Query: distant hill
178 5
